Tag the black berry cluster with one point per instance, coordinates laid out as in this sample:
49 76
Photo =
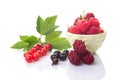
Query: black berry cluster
57 55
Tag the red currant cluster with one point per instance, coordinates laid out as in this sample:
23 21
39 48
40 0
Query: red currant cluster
36 52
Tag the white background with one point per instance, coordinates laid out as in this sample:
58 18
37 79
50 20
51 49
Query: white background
18 17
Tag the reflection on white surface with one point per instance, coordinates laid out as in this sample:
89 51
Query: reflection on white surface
95 71
68 71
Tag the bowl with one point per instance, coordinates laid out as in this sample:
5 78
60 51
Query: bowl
92 42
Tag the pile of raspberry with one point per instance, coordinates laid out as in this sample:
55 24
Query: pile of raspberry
80 54
87 24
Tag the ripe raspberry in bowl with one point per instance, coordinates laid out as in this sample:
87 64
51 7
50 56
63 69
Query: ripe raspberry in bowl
87 28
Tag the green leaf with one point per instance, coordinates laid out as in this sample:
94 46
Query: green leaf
32 40
59 43
40 23
29 39
47 26
52 35
20 45
24 38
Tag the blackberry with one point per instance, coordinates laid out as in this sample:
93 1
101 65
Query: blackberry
65 52
57 53
54 61
53 56
63 57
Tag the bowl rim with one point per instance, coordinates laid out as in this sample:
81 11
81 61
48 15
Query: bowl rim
87 34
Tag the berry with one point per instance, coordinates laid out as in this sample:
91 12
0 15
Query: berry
57 53
83 26
101 31
93 30
36 56
43 51
77 20
32 50
88 16
88 58
53 56
79 47
66 52
38 46
63 56
28 57
94 22
50 46
74 58
74 29
39 51
54 61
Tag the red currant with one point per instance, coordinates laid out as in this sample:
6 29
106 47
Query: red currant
49 47
46 47
36 56
25 54
39 51
32 50
28 57
38 46
43 51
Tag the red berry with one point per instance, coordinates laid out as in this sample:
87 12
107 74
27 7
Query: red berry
83 26
38 46
50 46
101 31
93 30
94 22
43 51
26 53
79 47
36 56
74 29
32 50
88 58
28 57
88 16
39 51
74 58
77 20
46 47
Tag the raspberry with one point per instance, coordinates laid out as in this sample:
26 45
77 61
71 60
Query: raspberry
74 29
77 20
101 31
93 30
87 58
79 47
74 58
88 16
94 22
83 26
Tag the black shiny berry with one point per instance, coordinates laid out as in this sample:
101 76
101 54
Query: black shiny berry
54 61
66 52
63 57
57 53
53 56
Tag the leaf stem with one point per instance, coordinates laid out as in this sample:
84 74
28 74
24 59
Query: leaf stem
40 36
